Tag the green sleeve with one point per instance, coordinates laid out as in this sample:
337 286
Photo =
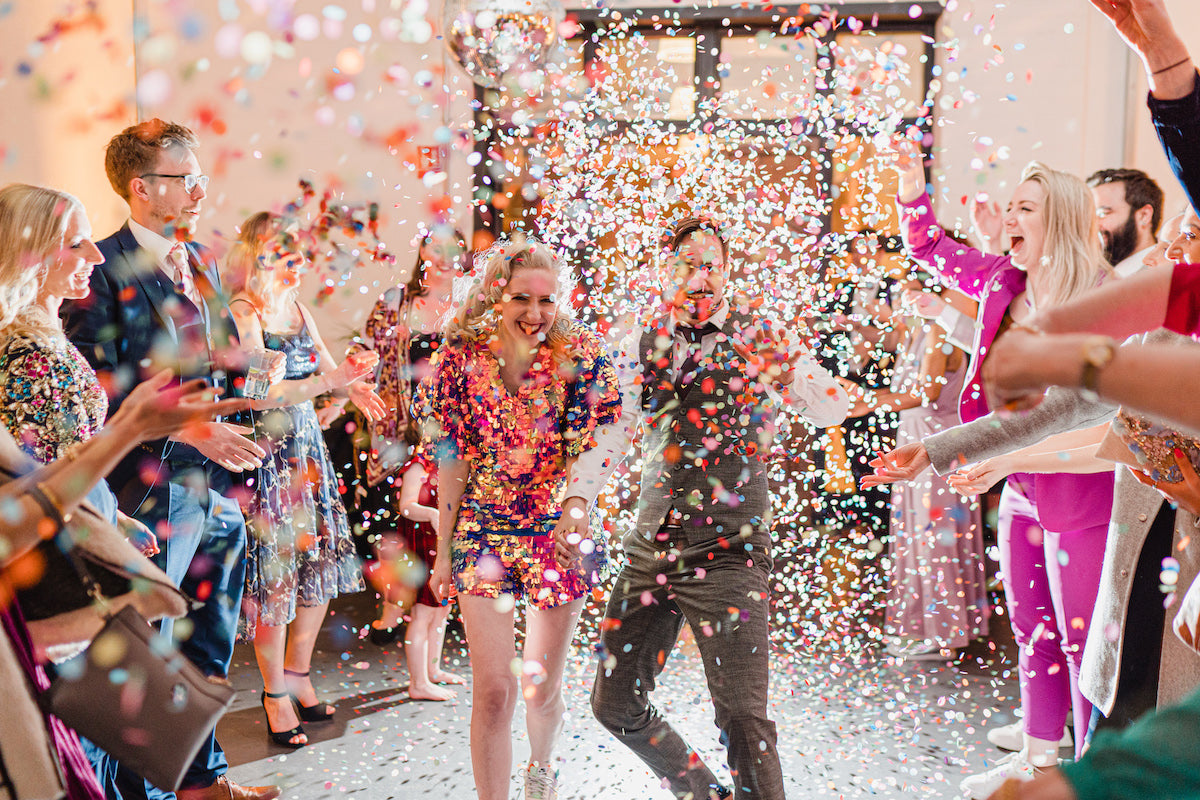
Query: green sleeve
1157 757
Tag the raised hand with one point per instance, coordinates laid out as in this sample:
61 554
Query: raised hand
354 368
919 303
1185 493
977 479
1147 29
225 444
138 534
1145 26
367 401
908 162
988 221
1013 378
328 413
155 409
769 351
904 463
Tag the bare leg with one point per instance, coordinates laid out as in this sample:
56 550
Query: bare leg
302 638
269 648
418 646
391 615
397 599
494 691
437 638
548 636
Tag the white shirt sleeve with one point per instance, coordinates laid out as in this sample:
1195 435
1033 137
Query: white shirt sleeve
595 466
960 329
816 395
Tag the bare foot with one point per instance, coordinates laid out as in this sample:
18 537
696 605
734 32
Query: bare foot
441 676
430 692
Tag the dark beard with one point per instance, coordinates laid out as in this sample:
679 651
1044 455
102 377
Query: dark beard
1122 244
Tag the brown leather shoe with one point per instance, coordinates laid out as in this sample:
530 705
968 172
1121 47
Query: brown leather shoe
224 789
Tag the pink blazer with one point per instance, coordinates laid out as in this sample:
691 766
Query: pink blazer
1064 501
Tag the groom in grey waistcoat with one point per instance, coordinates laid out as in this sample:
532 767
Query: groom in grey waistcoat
705 379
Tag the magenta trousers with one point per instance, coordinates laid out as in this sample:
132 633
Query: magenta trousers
1050 581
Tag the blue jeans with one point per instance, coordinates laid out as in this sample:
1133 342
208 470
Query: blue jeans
203 551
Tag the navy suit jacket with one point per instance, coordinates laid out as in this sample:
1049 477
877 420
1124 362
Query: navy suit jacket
131 326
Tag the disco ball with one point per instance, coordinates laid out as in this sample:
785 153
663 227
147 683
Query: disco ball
497 41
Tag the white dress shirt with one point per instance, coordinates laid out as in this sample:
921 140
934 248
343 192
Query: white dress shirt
1133 263
814 394
156 245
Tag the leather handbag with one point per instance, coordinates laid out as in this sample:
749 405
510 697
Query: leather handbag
135 695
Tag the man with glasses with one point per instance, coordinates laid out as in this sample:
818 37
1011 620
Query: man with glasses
705 379
155 302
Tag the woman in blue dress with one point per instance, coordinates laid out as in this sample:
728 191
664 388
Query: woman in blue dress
300 554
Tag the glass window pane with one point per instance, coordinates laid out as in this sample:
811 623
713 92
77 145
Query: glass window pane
886 67
765 76
651 76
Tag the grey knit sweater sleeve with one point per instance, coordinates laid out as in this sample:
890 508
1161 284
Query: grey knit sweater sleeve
1062 410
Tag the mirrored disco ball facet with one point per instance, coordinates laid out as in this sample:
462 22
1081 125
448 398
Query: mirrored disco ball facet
497 41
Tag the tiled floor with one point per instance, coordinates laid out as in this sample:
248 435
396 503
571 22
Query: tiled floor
852 722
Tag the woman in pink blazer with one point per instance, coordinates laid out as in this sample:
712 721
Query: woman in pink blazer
1052 526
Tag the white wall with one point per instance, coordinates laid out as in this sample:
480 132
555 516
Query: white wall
57 118
1080 98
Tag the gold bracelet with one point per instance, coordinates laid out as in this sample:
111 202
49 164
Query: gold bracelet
52 497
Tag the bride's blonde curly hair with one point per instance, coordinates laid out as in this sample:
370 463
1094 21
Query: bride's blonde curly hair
477 299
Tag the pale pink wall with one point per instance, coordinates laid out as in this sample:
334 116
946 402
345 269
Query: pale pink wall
341 104
57 119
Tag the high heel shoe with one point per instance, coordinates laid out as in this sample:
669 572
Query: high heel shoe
318 712
282 738
382 637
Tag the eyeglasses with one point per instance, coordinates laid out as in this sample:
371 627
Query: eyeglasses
190 182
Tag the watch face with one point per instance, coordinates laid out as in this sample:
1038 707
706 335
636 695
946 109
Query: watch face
1099 353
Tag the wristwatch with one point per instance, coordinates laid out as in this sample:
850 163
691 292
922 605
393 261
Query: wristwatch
1098 353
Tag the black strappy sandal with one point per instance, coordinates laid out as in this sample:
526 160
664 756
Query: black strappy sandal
282 738
318 712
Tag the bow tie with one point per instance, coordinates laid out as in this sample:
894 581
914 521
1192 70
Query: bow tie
693 334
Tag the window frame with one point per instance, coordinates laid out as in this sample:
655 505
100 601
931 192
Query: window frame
708 25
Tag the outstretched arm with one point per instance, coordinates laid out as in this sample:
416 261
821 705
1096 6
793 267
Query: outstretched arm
1158 380
1108 309
989 437
1171 75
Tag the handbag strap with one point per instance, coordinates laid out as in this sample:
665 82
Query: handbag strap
90 584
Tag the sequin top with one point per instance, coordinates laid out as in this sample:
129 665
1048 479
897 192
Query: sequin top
518 445
50 398
383 328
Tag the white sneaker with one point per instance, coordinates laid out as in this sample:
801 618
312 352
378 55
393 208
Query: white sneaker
984 784
541 783
1012 737
914 650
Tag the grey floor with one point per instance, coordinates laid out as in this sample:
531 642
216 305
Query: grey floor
852 722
